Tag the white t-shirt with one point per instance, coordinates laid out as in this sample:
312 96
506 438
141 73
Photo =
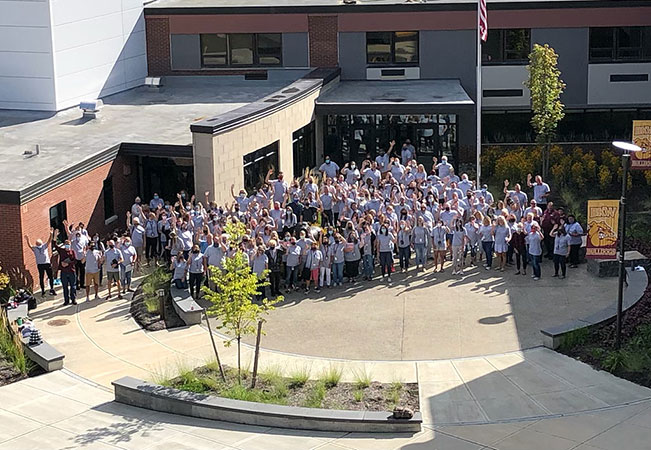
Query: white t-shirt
110 255
129 255
92 261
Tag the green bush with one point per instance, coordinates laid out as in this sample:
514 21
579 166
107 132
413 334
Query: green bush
160 278
12 348
363 378
332 376
299 377
574 338
316 396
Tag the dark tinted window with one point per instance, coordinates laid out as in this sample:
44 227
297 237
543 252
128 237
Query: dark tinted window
620 44
269 49
241 49
214 49
386 47
507 46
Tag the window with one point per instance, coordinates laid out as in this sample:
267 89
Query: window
59 213
257 164
510 46
620 44
304 147
387 47
109 207
241 50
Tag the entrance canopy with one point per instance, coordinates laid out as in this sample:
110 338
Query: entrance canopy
393 97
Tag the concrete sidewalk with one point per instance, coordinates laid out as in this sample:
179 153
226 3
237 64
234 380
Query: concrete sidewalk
62 411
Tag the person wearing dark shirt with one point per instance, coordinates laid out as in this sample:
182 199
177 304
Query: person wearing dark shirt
67 264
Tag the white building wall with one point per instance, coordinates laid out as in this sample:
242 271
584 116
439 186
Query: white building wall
26 67
505 77
603 91
54 53
99 48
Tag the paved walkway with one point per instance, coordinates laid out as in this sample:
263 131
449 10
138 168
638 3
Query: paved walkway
62 411
434 315
519 400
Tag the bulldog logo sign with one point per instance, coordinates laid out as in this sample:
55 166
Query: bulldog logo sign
642 138
603 218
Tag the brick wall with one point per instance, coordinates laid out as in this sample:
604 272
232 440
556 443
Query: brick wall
11 242
84 203
157 31
323 41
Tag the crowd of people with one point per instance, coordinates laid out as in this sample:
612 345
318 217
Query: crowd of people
333 226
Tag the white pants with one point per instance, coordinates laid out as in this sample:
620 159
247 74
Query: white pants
325 272
457 258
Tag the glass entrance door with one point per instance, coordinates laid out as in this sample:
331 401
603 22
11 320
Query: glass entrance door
357 137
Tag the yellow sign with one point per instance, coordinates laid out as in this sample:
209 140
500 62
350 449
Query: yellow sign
603 218
642 138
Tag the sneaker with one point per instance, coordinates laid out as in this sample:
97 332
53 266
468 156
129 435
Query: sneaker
66 303
108 297
555 275
536 278
87 299
96 297
53 292
517 273
42 294
307 291
533 276
454 272
74 302
120 297
317 290
487 268
524 273
562 277
389 279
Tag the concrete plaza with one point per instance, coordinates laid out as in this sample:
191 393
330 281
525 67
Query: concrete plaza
509 397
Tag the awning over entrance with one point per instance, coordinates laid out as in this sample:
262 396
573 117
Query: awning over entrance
394 97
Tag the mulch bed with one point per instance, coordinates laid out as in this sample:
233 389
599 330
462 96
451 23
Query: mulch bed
376 397
152 321
8 374
603 337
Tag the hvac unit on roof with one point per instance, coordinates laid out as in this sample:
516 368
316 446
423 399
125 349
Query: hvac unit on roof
91 108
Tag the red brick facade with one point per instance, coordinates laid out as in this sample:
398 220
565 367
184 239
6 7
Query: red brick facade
84 203
323 32
158 45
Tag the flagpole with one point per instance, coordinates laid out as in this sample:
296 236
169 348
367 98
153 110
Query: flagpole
478 95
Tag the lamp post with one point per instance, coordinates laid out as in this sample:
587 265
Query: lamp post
626 148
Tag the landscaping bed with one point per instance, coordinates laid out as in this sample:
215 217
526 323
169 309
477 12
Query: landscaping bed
595 346
298 390
144 304
14 364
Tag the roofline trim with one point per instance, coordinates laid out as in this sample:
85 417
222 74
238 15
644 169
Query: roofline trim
417 7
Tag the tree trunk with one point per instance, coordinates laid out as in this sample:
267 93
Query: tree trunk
214 347
239 363
256 355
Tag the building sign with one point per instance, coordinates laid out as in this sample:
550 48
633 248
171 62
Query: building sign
603 217
642 138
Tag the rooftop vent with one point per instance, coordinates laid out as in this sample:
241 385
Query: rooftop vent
154 83
91 108
30 153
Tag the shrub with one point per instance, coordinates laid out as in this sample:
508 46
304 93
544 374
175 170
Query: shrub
12 348
362 378
358 395
299 377
159 279
316 396
615 361
332 376
574 338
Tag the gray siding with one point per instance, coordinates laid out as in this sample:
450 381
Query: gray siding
449 54
571 44
352 55
186 52
295 50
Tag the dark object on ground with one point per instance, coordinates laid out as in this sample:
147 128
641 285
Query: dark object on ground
401 412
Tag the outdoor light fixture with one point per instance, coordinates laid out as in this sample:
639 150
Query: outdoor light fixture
626 149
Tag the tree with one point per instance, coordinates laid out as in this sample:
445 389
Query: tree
546 88
232 301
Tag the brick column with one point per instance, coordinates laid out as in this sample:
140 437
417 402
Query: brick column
323 41
158 45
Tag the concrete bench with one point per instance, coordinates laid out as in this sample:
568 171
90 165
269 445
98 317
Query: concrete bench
637 281
610 267
142 394
188 310
46 356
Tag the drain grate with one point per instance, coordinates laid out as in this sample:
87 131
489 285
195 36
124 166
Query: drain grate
58 322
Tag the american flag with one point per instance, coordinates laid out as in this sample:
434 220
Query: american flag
483 21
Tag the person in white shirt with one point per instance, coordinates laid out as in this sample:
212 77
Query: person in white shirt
42 254
465 184
113 257
541 191
92 260
279 185
130 257
180 268
351 172
443 167
407 153
197 268
329 168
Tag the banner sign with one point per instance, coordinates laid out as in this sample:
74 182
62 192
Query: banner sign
603 218
642 138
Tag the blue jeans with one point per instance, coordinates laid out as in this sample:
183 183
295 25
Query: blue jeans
420 254
367 261
180 284
290 276
338 272
535 264
69 283
488 251
404 253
